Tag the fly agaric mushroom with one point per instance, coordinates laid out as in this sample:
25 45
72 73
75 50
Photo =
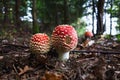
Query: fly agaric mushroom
40 43
88 41
64 39
88 34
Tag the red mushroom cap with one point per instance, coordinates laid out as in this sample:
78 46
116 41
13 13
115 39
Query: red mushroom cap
40 43
88 34
64 38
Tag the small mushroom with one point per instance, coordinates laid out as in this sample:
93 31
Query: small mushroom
64 39
40 43
88 42
88 35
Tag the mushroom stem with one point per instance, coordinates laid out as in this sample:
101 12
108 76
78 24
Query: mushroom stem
63 56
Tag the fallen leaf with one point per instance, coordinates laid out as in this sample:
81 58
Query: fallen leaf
1 57
52 76
25 69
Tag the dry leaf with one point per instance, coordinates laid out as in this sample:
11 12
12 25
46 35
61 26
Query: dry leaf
41 58
1 57
87 43
26 68
52 76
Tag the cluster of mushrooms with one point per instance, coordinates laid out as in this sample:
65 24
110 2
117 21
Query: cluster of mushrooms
63 39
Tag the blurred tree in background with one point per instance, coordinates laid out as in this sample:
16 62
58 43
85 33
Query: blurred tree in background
44 15
116 12
34 17
100 11
54 12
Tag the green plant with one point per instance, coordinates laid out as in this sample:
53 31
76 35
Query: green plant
80 27
107 36
118 37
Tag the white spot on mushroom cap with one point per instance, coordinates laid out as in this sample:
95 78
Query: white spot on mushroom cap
65 30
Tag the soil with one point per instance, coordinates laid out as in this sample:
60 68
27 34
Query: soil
100 61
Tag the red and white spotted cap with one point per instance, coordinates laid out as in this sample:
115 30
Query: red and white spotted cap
40 43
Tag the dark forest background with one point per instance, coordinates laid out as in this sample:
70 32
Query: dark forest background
46 14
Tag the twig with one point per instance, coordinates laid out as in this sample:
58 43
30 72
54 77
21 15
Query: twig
15 45
89 51
17 75
15 69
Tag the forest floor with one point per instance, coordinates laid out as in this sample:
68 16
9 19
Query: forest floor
100 61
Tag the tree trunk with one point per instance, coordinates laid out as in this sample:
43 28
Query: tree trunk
57 16
65 12
17 17
1 12
6 12
34 16
100 8
111 4
93 4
